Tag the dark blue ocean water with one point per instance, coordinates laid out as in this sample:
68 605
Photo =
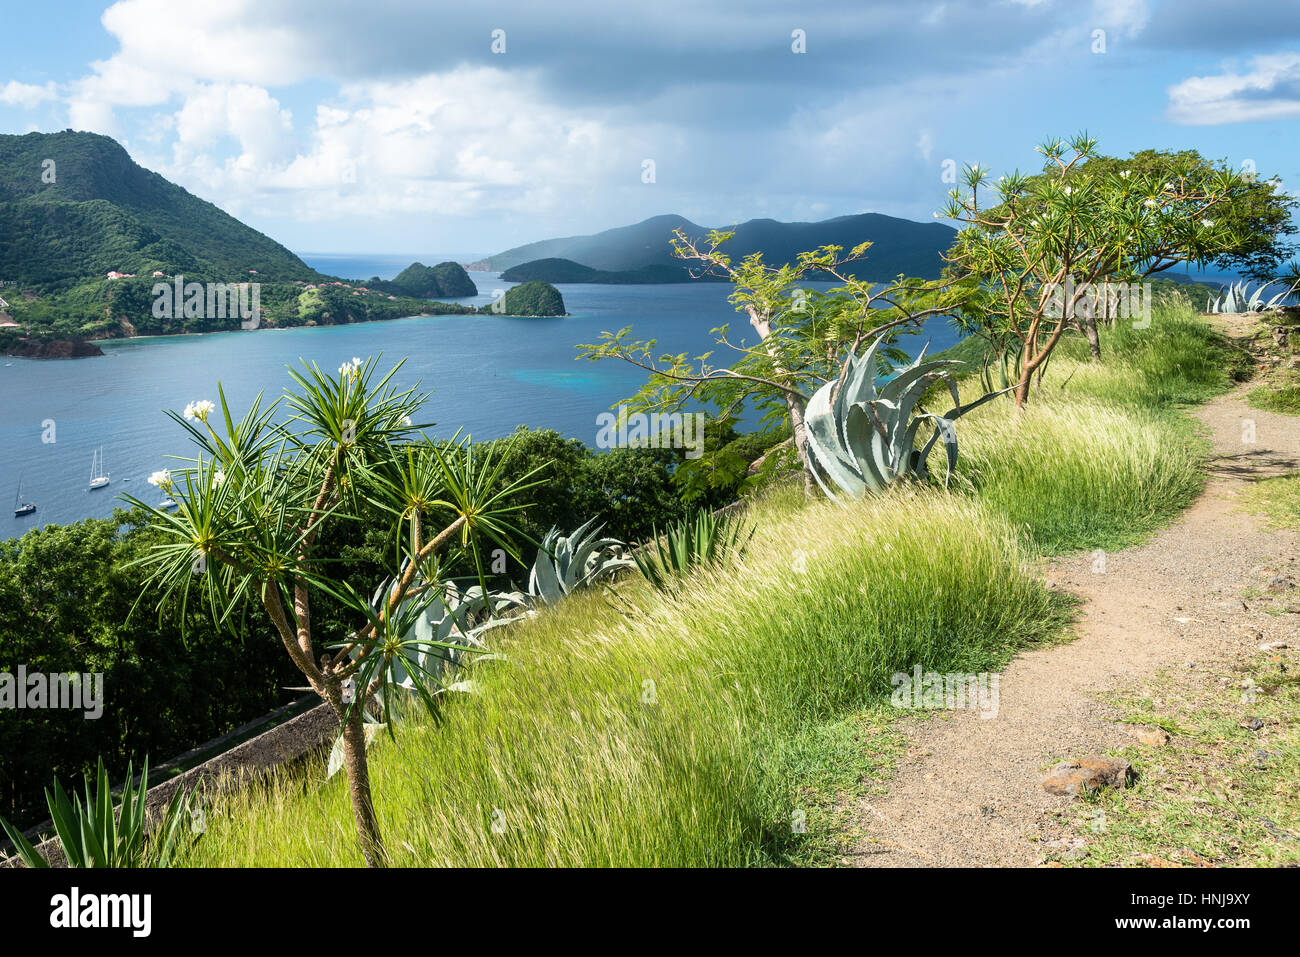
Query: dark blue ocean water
487 374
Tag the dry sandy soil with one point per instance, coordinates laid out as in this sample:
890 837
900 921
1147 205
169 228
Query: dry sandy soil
968 791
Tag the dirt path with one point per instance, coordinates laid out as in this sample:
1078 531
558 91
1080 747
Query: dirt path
968 792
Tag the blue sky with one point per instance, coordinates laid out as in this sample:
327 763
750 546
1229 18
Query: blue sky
394 126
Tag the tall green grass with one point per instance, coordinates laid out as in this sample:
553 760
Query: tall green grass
1083 474
1103 454
695 728
662 731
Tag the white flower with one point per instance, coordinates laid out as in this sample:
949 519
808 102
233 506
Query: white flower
1169 187
1207 223
1068 191
160 479
199 410
1150 203
406 422
1125 174
351 369
218 478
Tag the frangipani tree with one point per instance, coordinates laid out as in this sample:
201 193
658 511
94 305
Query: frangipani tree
1074 228
247 529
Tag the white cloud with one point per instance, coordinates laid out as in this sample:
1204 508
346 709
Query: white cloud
468 142
26 95
94 116
1269 91
235 41
246 114
169 47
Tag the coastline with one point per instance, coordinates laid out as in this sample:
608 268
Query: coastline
268 328
218 332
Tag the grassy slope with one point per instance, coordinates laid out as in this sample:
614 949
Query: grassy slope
768 698
1105 454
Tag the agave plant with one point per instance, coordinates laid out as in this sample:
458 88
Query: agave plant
90 834
566 563
690 544
862 438
1237 297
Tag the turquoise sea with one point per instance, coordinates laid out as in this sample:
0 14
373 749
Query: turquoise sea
487 375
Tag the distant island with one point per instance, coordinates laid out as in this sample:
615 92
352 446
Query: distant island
93 245
643 252
447 280
530 300
566 270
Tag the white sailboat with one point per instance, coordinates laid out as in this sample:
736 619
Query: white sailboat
97 465
22 508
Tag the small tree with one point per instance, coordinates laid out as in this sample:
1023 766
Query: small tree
1076 224
251 509
802 334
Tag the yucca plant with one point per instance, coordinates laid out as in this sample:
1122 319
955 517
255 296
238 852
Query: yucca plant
438 630
255 500
706 540
90 834
566 563
863 438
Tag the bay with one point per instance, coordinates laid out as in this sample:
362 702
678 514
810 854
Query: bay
487 375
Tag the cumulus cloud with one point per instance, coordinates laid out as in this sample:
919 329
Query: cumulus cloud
1269 90
26 95
470 140
291 111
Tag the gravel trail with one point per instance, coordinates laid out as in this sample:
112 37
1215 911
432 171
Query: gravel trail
967 793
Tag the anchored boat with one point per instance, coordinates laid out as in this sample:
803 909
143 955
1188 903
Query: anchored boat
20 507
97 466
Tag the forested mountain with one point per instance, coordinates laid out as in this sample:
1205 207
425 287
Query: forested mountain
447 280
75 206
901 246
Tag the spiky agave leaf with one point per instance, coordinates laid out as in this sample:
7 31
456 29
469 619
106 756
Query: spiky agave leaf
864 438
566 563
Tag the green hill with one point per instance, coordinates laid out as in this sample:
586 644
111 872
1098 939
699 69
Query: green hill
95 210
901 246
447 280
66 225
529 299
566 270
